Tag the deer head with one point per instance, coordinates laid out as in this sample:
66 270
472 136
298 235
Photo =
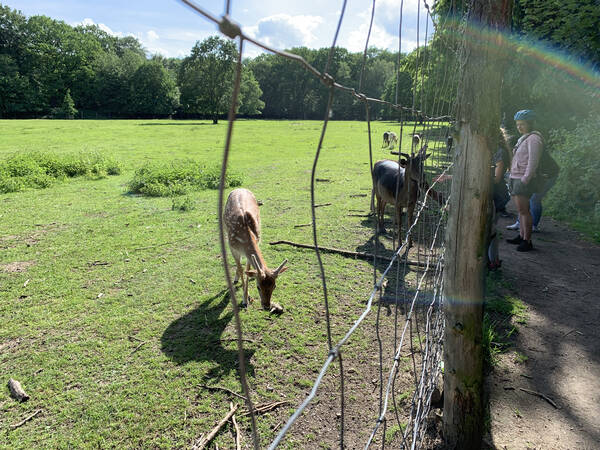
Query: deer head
265 280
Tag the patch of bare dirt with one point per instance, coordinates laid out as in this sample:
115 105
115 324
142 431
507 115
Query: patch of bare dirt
556 355
16 266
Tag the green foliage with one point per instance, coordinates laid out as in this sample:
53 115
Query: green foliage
392 431
40 170
206 77
185 203
576 195
177 178
153 91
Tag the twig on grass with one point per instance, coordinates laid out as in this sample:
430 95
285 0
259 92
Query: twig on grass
323 180
539 394
25 420
303 225
259 409
348 253
238 440
322 204
358 195
138 347
359 215
204 440
219 388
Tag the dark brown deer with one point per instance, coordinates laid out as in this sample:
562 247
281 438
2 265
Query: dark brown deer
390 178
242 220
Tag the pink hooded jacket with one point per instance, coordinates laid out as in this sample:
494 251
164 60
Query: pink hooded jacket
526 156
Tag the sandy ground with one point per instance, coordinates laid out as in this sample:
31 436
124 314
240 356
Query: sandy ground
557 352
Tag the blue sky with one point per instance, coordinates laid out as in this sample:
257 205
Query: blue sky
171 28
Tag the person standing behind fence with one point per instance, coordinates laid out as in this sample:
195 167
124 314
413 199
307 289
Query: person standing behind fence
526 157
500 197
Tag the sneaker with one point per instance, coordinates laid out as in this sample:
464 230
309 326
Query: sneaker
525 246
516 240
535 229
514 226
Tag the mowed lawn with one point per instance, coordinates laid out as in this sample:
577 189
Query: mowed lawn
114 307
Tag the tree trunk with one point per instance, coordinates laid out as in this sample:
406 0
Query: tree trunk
478 119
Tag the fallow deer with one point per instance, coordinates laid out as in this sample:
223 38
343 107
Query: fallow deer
390 178
242 220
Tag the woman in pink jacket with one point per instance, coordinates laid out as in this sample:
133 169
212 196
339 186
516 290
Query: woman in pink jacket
526 156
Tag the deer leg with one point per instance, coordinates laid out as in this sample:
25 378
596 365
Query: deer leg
409 220
247 298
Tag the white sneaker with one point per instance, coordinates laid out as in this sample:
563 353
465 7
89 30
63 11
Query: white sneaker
514 226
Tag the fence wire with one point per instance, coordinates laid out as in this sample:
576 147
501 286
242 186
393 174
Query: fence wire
418 315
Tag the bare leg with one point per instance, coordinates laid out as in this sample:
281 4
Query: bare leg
525 219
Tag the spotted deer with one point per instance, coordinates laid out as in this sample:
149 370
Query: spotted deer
242 220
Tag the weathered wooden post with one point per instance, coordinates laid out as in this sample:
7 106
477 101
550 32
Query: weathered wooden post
477 122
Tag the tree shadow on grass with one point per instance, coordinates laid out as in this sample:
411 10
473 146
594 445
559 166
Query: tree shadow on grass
197 336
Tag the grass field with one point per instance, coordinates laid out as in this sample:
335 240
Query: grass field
114 307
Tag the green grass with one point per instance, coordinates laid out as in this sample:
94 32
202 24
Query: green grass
114 306
502 315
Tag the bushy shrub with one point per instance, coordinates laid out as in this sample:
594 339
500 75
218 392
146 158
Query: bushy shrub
177 178
40 170
185 203
576 194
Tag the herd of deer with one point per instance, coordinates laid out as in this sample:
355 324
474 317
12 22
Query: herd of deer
398 183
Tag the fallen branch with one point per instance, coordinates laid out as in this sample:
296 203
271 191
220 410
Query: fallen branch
204 440
348 253
219 388
17 391
303 225
259 409
238 440
25 420
322 204
539 394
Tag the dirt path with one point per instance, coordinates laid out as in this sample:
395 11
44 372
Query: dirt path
557 352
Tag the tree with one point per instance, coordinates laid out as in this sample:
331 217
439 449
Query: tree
68 106
206 77
250 103
153 91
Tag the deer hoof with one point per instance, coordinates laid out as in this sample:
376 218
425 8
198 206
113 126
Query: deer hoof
276 308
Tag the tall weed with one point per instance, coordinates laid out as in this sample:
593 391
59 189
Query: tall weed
177 178
39 170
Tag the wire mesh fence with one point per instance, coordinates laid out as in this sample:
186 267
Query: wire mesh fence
407 277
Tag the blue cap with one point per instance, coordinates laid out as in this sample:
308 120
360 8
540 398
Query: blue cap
525 114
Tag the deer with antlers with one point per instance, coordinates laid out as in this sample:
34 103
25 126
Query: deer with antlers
242 220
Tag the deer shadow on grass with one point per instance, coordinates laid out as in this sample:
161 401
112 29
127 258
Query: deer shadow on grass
400 285
198 336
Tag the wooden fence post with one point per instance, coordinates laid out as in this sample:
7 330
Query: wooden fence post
478 119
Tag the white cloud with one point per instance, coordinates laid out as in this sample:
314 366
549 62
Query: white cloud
87 21
284 31
152 35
